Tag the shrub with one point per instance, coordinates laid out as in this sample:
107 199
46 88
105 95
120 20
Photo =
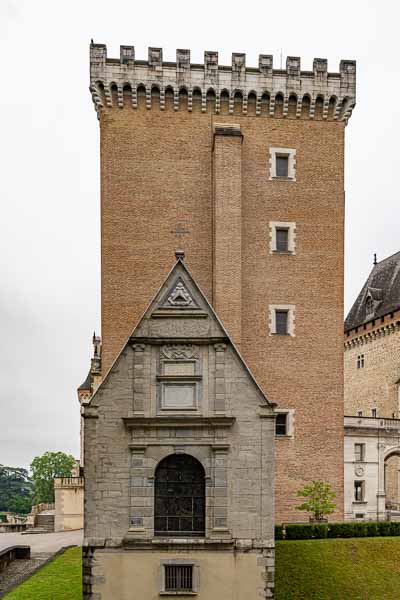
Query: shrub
299 532
350 529
347 530
395 528
372 529
320 530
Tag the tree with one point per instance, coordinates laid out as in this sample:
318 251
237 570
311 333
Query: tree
45 468
20 504
15 487
319 496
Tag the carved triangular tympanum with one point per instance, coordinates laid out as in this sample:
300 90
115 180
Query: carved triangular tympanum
178 296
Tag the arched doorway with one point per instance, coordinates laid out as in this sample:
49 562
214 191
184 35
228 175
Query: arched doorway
392 481
179 497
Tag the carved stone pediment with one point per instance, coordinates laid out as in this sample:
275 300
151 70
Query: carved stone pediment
179 352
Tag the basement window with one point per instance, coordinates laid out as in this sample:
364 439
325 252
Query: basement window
178 578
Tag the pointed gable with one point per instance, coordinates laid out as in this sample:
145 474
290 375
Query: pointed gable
180 311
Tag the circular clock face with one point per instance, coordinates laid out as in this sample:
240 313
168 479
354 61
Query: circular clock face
359 471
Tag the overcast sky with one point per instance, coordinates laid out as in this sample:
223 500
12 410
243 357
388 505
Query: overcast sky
49 266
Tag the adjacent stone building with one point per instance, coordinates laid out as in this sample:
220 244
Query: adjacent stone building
243 168
179 462
372 396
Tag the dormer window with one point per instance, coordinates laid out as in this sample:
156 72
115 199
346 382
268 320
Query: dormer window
369 306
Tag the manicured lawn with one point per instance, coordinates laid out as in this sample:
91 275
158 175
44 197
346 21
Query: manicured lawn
338 569
59 580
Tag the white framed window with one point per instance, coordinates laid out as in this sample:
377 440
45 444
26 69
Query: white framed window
284 422
282 163
281 319
359 452
282 236
359 491
360 361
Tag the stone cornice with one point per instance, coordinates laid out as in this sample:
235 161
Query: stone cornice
333 93
135 422
366 337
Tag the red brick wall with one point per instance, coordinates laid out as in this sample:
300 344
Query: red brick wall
156 173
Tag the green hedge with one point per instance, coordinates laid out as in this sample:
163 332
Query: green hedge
309 531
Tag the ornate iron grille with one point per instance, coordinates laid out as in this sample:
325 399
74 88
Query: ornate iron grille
178 578
179 497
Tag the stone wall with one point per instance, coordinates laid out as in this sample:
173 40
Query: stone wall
230 431
374 385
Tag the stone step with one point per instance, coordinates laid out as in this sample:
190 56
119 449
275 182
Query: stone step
35 530
45 522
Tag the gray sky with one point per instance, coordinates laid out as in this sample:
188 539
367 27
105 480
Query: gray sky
49 266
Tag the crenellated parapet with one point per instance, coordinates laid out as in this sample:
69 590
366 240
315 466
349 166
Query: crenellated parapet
211 87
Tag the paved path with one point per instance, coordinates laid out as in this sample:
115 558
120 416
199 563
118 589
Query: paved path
42 542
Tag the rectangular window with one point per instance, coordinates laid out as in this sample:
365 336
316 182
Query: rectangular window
281 322
359 491
373 412
359 452
359 414
282 239
178 396
281 424
282 165
360 361
178 578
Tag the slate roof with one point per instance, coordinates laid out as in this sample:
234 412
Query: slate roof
383 286
87 384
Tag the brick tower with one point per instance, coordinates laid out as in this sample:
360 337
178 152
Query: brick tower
242 168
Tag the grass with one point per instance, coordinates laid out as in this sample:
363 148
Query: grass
338 569
59 580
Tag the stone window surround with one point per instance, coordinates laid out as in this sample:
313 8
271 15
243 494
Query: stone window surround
291 227
178 562
291 154
289 422
195 380
290 308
